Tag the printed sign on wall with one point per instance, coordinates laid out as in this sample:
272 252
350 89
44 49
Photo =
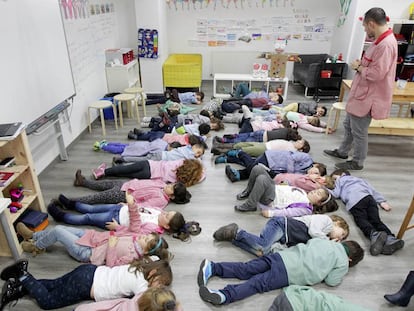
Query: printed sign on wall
147 43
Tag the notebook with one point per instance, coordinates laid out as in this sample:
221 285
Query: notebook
9 131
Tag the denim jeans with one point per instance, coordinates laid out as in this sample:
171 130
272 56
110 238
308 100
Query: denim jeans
68 237
256 136
93 215
67 290
274 231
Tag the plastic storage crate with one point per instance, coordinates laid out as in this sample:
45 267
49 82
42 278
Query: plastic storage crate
182 71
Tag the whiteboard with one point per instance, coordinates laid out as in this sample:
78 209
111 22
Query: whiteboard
35 72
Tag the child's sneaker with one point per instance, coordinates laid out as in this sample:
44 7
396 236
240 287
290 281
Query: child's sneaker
205 272
221 159
232 173
392 244
100 171
213 296
98 145
378 239
233 153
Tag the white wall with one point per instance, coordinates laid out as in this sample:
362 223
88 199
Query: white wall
182 26
151 14
87 40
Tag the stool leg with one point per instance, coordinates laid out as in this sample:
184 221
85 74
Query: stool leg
329 120
115 117
129 109
144 109
337 115
89 120
121 119
102 122
137 111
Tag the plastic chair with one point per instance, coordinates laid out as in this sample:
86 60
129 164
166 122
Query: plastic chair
140 97
337 107
100 105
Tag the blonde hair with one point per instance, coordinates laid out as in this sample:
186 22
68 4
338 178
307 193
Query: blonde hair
157 299
341 223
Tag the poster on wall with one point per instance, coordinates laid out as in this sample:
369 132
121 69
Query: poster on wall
147 43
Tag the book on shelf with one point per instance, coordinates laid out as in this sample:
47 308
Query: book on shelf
5 178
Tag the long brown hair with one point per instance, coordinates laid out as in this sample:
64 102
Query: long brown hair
190 172
157 299
162 269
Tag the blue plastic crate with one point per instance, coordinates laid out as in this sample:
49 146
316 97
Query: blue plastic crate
108 112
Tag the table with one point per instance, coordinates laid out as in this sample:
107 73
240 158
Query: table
402 97
236 78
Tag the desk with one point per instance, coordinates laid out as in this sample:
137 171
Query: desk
232 79
402 97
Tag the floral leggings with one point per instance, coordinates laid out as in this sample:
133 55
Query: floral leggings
109 192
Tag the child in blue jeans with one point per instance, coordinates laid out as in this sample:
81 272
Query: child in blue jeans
317 261
282 232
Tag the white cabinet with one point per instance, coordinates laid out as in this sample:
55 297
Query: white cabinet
121 77
224 82
24 174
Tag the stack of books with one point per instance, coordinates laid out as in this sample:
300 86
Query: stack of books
5 178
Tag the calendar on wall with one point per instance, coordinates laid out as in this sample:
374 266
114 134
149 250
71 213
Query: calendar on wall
147 43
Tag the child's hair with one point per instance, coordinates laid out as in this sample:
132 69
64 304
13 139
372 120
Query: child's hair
176 223
175 144
201 94
194 139
219 122
315 121
324 110
293 134
354 251
189 228
341 223
321 168
205 113
181 195
162 268
201 144
327 205
158 247
330 181
306 146
204 128
157 299
340 171
190 172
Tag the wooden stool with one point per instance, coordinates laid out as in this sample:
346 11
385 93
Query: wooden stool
129 99
338 107
138 92
405 224
101 105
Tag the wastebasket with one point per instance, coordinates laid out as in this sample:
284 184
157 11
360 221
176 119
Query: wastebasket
108 112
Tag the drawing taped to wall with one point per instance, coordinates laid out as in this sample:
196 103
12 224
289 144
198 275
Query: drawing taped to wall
147 43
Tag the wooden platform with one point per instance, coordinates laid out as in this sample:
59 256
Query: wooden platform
392 126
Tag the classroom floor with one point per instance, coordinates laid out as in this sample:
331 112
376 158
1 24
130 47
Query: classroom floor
389 168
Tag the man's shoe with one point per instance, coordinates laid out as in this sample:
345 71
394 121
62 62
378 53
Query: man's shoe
335 153
349 166
213 296
205 272
14 271
232 173
79 179
243 208
243 195
220 159
226 233
24 231
392 244
99 171
56 212
378 239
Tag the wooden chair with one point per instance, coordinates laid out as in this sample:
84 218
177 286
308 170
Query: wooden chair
406 222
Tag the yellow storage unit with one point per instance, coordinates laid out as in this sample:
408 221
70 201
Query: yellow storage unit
182 71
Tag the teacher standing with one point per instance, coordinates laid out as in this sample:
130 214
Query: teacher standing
371 91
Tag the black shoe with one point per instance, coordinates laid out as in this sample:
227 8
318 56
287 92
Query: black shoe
211 295
243 195
12 291
392 244
244 208
232 173
14 271
132 135
349 166
56 212
226 233
117 160
378 239
335 153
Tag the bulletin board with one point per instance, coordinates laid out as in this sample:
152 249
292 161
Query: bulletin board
147 43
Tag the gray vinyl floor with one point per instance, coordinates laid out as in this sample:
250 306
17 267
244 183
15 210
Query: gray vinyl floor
389 168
